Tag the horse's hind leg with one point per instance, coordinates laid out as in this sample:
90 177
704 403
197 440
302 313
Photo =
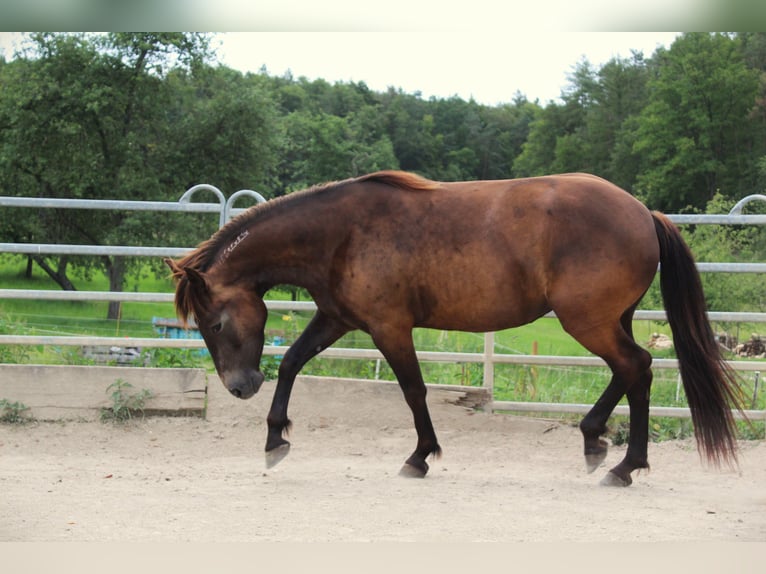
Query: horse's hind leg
631 375
593 426
398 349
636 456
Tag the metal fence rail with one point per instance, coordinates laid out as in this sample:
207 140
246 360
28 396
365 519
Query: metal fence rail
488 357
224 207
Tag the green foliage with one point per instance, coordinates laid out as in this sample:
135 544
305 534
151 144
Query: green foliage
146 115
10 325
125 404
270 367
13 412
92 116
744 244
175 358
698 128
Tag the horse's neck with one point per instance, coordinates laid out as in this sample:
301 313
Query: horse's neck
284 251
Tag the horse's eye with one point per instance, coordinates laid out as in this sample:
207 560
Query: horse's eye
216 328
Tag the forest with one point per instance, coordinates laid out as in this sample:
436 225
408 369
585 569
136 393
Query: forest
144 116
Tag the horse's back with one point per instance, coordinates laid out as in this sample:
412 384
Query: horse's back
487 255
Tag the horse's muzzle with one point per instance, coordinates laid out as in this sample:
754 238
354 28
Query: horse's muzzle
243 384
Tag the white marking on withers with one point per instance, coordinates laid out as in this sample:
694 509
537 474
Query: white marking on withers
234 244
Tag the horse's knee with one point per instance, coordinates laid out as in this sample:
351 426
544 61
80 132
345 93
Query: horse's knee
289 366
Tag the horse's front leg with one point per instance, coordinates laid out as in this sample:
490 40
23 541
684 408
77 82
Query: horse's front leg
398 349
319 334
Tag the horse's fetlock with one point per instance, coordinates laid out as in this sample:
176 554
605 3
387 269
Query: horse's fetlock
591 430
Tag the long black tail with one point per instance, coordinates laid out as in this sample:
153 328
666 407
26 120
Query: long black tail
711 385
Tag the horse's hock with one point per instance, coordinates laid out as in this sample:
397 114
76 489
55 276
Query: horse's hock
55 392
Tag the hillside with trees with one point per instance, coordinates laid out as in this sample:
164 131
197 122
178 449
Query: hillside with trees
145 116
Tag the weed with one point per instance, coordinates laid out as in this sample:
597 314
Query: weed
12 353
619 431
13 412
124 403
270 367
174 358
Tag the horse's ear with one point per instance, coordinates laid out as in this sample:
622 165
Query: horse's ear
176 270
196 280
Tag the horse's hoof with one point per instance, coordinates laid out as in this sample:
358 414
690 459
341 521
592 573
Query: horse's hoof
593 461
275 455
410 470
611 479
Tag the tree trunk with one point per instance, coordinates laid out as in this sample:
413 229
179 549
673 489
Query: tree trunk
59 274
116 270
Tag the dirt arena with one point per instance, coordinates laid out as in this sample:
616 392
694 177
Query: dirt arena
501 478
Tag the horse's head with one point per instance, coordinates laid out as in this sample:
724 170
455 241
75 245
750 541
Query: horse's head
231 319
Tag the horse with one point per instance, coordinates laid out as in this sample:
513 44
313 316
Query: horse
390 251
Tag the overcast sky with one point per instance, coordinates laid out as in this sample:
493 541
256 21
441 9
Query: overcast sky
491 68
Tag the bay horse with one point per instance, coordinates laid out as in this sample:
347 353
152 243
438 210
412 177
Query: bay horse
391 251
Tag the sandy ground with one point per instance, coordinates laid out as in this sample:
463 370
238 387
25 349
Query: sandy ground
501 478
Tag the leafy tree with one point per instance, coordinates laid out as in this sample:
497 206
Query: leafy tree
538 152
220 128
507 128
320 147
695 136
411 127
620 96
82 118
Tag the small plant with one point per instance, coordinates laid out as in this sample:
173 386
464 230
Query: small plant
13 412
124 403
12 353
270 367
174 358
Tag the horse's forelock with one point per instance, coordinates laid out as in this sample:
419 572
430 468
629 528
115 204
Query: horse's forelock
187 305
184 301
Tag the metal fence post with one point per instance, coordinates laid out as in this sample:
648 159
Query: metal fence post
229 208
489 368
186 198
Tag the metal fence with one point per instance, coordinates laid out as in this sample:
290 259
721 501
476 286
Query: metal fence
225 209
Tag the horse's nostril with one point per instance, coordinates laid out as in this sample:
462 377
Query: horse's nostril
237 393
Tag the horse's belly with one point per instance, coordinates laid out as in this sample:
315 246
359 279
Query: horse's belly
479 314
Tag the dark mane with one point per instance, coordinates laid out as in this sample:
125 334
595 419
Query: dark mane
207 252
203 257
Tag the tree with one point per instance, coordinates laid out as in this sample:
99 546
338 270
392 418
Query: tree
320 147
695 137
620 96
82 117
507 128
220 128
410 125
538 152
